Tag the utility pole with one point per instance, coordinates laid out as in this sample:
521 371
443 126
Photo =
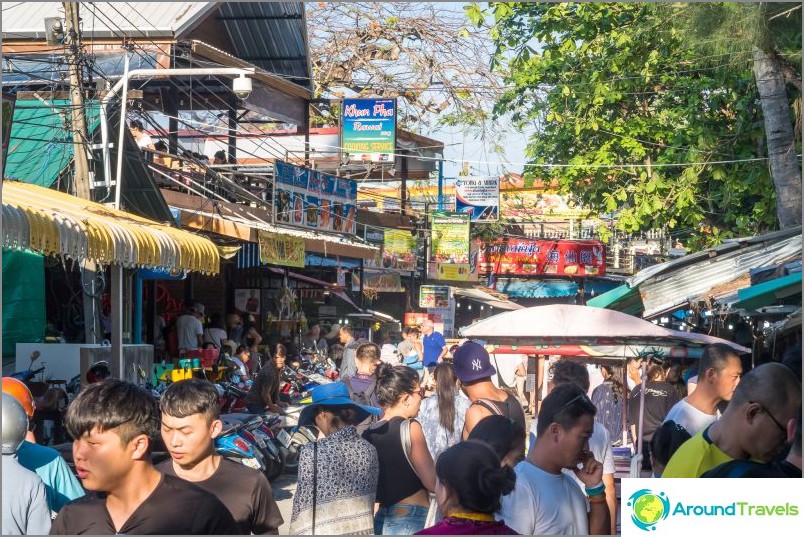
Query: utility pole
79 124
72 39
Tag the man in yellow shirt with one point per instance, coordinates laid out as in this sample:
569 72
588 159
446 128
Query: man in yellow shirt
754 425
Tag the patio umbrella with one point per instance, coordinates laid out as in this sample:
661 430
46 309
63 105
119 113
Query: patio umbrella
584 331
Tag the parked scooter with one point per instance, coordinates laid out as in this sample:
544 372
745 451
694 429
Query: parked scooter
263 436
232 445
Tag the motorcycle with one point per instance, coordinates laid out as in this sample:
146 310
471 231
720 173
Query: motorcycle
232 445
263 436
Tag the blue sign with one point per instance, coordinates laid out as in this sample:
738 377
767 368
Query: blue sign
368 129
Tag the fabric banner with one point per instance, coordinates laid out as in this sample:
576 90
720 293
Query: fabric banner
524 257
310 199
479 197
368 129
398 251
24 316
383 282
282 250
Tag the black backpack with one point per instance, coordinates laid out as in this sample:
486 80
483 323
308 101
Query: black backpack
362 398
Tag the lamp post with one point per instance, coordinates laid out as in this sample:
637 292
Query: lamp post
242 89
123 83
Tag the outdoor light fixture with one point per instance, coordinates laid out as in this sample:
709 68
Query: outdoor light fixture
665 320
469 307
241 86
766 324
731 327
654 321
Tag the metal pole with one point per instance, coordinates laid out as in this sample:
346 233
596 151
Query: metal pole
136 337
440 185
117 319
123 105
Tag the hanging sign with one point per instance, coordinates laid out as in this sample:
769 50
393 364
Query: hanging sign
450 245
434 296
310 199
368 129
282 250
479 197
525 257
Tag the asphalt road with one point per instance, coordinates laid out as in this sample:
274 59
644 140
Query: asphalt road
284 488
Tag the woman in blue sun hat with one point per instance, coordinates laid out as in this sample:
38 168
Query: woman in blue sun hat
338 474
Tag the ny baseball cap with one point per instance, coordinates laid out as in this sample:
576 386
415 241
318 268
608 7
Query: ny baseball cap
472 362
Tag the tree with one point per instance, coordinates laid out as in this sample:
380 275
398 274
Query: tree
631 120
768 37
425 54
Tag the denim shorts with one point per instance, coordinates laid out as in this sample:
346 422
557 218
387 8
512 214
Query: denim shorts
400 519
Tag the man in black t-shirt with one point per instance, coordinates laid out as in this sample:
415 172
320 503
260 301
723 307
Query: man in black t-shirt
190 422
113 423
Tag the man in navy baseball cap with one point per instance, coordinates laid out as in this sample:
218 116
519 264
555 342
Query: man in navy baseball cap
473 368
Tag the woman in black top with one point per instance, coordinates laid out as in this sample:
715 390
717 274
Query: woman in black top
405 480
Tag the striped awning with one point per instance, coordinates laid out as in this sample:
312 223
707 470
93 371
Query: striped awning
54 223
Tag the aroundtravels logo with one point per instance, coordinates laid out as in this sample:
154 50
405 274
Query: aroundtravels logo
648 508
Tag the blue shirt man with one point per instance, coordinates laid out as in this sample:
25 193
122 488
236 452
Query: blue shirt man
61 486
435 347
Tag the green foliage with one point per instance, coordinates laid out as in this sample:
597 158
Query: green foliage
622 99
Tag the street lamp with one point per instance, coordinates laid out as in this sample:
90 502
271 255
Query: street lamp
242 89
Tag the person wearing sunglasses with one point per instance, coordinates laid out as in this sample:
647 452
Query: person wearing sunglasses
755 425
545 500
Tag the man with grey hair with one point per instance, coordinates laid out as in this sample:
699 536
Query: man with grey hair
718 375
434 344
754 426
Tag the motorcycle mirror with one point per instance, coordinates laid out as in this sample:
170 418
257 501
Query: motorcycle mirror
140 371
35 356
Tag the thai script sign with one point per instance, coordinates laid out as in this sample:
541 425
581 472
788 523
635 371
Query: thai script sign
532 257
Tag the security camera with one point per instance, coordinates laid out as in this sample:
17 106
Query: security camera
241 86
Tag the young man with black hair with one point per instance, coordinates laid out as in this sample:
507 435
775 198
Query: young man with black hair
719 372
190 423
113 424
570 372
363 384
545 500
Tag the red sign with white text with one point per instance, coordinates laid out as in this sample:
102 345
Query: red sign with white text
524 257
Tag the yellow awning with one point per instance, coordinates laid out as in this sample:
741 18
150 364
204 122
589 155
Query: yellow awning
54 223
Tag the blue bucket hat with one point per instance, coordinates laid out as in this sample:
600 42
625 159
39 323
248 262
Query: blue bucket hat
334 394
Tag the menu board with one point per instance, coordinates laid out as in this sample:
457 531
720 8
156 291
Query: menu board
313 200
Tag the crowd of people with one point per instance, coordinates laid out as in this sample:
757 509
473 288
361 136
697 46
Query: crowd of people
402 449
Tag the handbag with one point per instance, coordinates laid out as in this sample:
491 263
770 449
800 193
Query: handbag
433 512
315 482
413 362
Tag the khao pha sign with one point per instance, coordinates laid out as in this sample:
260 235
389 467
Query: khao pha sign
524 257
313 200
368 129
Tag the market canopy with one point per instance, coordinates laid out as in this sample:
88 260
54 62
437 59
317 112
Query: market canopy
54 223
572 330
487 298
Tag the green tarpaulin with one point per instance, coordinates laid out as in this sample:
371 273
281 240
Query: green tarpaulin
23 299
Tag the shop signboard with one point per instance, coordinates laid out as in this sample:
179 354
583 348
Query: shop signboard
282 250
450 245
523 257
397 253
479 197
434 296
463 272
368 129
313 200
380 282
399 250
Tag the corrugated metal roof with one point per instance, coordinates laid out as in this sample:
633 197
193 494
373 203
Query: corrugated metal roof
138 19
663 291
271 35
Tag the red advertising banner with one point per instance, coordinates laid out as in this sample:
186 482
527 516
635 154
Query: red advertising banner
524 257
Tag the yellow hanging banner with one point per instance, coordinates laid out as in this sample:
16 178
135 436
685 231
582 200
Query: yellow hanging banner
282 250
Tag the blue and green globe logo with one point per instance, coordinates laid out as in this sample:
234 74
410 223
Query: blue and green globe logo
648 508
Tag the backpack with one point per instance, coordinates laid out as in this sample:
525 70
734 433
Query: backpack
362 398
